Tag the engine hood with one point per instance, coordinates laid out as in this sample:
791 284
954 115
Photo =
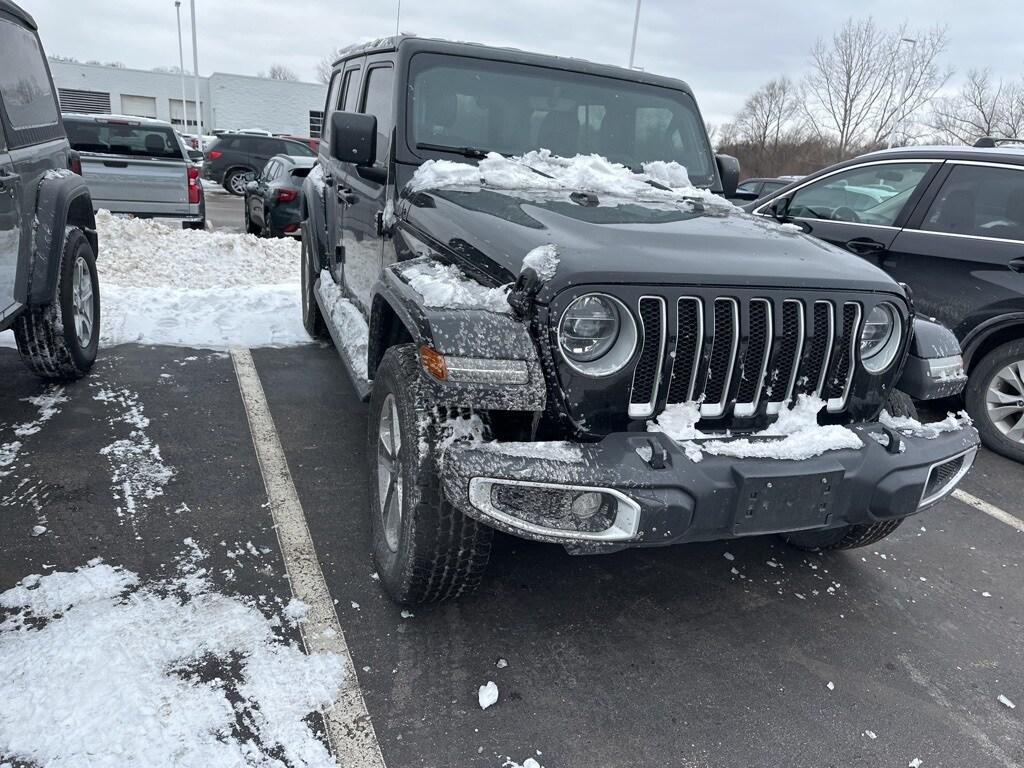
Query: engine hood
629 241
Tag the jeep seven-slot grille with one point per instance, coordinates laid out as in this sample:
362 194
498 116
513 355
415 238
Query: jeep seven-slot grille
739 355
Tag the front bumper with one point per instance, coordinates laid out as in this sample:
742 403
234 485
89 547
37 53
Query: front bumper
655 495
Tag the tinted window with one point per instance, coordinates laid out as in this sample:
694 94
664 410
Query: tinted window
748 189
378 102
264 146
979 200
514 108
300 173
296 149
24 83
874 194
121 139
349 92
771 186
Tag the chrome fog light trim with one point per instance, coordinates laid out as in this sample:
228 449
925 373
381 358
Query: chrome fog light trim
966 461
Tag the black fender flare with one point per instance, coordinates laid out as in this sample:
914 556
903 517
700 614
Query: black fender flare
468 333
314 214
63 199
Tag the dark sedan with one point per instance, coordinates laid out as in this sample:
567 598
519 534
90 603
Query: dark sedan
949 222
272 198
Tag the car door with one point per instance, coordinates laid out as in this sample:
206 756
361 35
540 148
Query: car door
861 207
962 251
10 227
346 99
362 191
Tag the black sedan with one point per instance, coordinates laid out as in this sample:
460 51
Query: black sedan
949 222
272 198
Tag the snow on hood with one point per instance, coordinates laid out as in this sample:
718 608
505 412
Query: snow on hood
801 435
542 171
543 260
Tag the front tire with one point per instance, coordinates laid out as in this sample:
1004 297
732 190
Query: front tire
312 317
426 550
59 340
995 399
854 536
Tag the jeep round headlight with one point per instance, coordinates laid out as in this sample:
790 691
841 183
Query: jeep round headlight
880 338
597 334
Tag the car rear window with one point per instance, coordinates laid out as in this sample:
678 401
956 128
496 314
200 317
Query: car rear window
300 173
123 139
295 149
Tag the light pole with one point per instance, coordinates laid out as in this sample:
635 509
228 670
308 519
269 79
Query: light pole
195 71
181 67
902 113
636 25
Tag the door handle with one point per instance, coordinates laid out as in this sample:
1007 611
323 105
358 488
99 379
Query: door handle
346 196
864 246
1017 265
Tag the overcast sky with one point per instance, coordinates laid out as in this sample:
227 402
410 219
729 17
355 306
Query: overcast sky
724 50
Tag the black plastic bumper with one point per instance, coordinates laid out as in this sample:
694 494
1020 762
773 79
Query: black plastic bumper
674 499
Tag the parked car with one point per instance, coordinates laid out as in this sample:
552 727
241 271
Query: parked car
49 289
272 199
529 411
949 222
313 144
760 187
234 159
138 166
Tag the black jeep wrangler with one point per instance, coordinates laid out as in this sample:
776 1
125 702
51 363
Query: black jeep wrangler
583 344
49 293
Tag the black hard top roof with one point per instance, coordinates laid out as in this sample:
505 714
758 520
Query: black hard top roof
7 6
412 44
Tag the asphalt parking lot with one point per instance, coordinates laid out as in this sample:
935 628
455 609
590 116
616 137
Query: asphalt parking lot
223 210
739 654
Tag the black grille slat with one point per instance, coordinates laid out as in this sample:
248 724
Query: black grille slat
816 350
785 356
835 387
720 359
645 376
758 346
689 336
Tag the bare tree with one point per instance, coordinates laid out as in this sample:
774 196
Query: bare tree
325 66
280 72
865 80
983 107
769 114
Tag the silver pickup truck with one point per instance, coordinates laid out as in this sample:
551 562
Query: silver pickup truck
137 166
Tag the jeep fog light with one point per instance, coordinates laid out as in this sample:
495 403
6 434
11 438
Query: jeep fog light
587 504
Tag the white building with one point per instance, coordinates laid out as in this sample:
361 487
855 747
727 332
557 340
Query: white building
229 102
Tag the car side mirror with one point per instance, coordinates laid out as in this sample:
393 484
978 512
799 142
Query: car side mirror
251 187
729 173
353 138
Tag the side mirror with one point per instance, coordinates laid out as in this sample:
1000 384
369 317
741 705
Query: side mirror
251 187
195 155
353 138
729 173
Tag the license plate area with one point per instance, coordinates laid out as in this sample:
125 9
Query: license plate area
770 503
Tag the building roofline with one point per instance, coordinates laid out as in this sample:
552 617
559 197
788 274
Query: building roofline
175 75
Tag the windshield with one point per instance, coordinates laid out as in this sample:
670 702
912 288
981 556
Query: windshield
514 108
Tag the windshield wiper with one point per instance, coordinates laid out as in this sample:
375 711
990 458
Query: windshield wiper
464 151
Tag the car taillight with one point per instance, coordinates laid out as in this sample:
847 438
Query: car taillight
213 154
285 195
194 190
75 163
289 228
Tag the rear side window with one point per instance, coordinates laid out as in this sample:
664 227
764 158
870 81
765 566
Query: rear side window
296 149
300 173
24 82
379 103
123 139
979 200
349 91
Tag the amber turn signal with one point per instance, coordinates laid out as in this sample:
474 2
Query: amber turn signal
433 363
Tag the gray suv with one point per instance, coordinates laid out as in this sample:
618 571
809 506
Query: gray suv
49 292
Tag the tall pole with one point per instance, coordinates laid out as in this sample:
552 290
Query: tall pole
195 71
636 25
901 116
181 69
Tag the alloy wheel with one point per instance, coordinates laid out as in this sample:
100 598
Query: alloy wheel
1005 401
389 472
83 311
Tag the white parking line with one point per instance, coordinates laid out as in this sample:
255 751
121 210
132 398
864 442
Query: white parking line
989 509
349 730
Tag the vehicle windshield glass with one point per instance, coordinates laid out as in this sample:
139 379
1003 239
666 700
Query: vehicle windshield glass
123 139
514 108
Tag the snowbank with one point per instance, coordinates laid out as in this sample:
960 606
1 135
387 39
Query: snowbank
799 435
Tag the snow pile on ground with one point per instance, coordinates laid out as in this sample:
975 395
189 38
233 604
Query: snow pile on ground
543 260
355 334
542 171
795 435
914 428
102 671
160 284
444 285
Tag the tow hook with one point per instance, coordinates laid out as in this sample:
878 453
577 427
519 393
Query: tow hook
525 290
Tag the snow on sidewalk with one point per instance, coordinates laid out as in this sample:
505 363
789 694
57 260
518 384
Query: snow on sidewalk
103 670
160 284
